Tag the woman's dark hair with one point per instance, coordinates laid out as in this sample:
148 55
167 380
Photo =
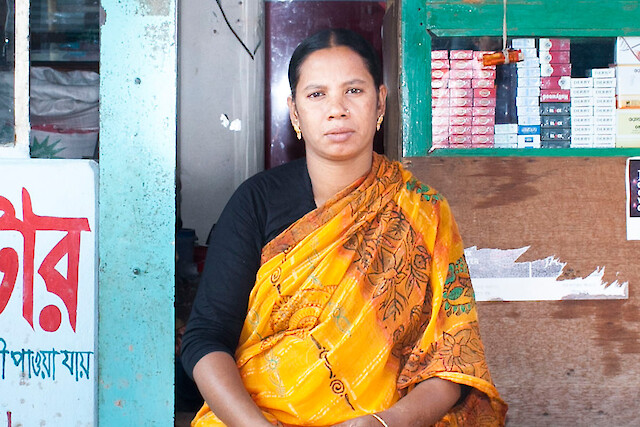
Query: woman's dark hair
334 38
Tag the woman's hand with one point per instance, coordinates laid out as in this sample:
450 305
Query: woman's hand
364 421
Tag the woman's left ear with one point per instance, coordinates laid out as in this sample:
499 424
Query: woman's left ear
382 100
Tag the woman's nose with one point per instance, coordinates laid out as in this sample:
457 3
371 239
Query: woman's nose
338 108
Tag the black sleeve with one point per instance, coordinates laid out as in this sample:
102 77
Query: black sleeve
233 259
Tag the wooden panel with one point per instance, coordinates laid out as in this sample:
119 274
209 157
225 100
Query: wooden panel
561 362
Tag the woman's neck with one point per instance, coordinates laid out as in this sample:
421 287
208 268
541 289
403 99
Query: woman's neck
330 177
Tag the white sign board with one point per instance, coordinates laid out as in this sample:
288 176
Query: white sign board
48 292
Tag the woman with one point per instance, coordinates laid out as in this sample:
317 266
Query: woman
336 290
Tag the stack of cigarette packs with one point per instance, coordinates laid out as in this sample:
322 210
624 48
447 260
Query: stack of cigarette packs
627 57
593 107
463 99
555 94
528 94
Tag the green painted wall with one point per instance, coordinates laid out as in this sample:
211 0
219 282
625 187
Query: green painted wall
137 213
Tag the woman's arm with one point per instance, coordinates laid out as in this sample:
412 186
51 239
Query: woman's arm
220 384
427 403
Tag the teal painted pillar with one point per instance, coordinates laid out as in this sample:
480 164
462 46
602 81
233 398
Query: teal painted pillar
137 213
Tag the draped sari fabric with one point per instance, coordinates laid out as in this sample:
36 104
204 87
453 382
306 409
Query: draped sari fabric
359 301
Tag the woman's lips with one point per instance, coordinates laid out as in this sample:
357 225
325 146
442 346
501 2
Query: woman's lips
341 134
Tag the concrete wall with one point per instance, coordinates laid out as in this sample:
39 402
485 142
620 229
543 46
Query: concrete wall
218 77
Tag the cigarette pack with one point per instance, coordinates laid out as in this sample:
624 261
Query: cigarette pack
528 72
628 123
461 93
440 139
440 93
440 103
482 139
604 110
586 82
529 120
562 134
440 111
439 83
580 141
561 82
528 91
605 130
555 57
555 70
440 130
528 141
581 111
462 64
581 92
604 141
439 54
439 73
460 111
600 73
604 82
460 83
461 54
556 121
483 83
460 140
484 121
555 108
547 143
627 50
439 121
604 102
484 102
582 120
524 43
607 120
482 130
506 128
554 95
459 130
555 44
527 101
460 74
533 110
505 138
528 81
582 102
484 93
582 129
460 121
484 111
604 92
531 62
529 52
479 73
528 130
440 64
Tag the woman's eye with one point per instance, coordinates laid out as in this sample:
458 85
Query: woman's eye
354 90
314 94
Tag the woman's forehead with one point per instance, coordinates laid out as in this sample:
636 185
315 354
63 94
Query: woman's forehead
339 63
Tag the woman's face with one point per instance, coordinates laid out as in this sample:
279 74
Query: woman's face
337 105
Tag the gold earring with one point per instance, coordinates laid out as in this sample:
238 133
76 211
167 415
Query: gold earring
379 122
297 129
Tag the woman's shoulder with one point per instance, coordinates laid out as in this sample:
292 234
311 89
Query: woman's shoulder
277 178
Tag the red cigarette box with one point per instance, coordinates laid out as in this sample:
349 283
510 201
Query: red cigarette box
460 121
460 83
439 54
440 103
440 130
482 139
461 74
484 93
460 130
555 70
440 73
461 54
484 121
482 130
557 83
555 95
555 57
483 111
461 102
440 111
484 102
440 93
460 111
460 140
462 64
439 121
555 44
461 93
479 73
439 83
483 83
439 64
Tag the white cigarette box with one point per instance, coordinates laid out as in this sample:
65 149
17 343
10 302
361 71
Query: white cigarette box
604 141
529 120
524 43
505 128
607 120
528 141
527 101
605 130
528 91
581 129
582 102
604 82
602 72
604 111
529 82
505 138
604 92
604 102
528 110
528 72
581 111
581 92
581 140
581 82
582 121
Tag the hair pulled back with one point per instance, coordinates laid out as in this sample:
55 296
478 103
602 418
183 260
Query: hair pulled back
334 38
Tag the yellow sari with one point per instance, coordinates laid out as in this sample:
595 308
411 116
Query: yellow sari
359 301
